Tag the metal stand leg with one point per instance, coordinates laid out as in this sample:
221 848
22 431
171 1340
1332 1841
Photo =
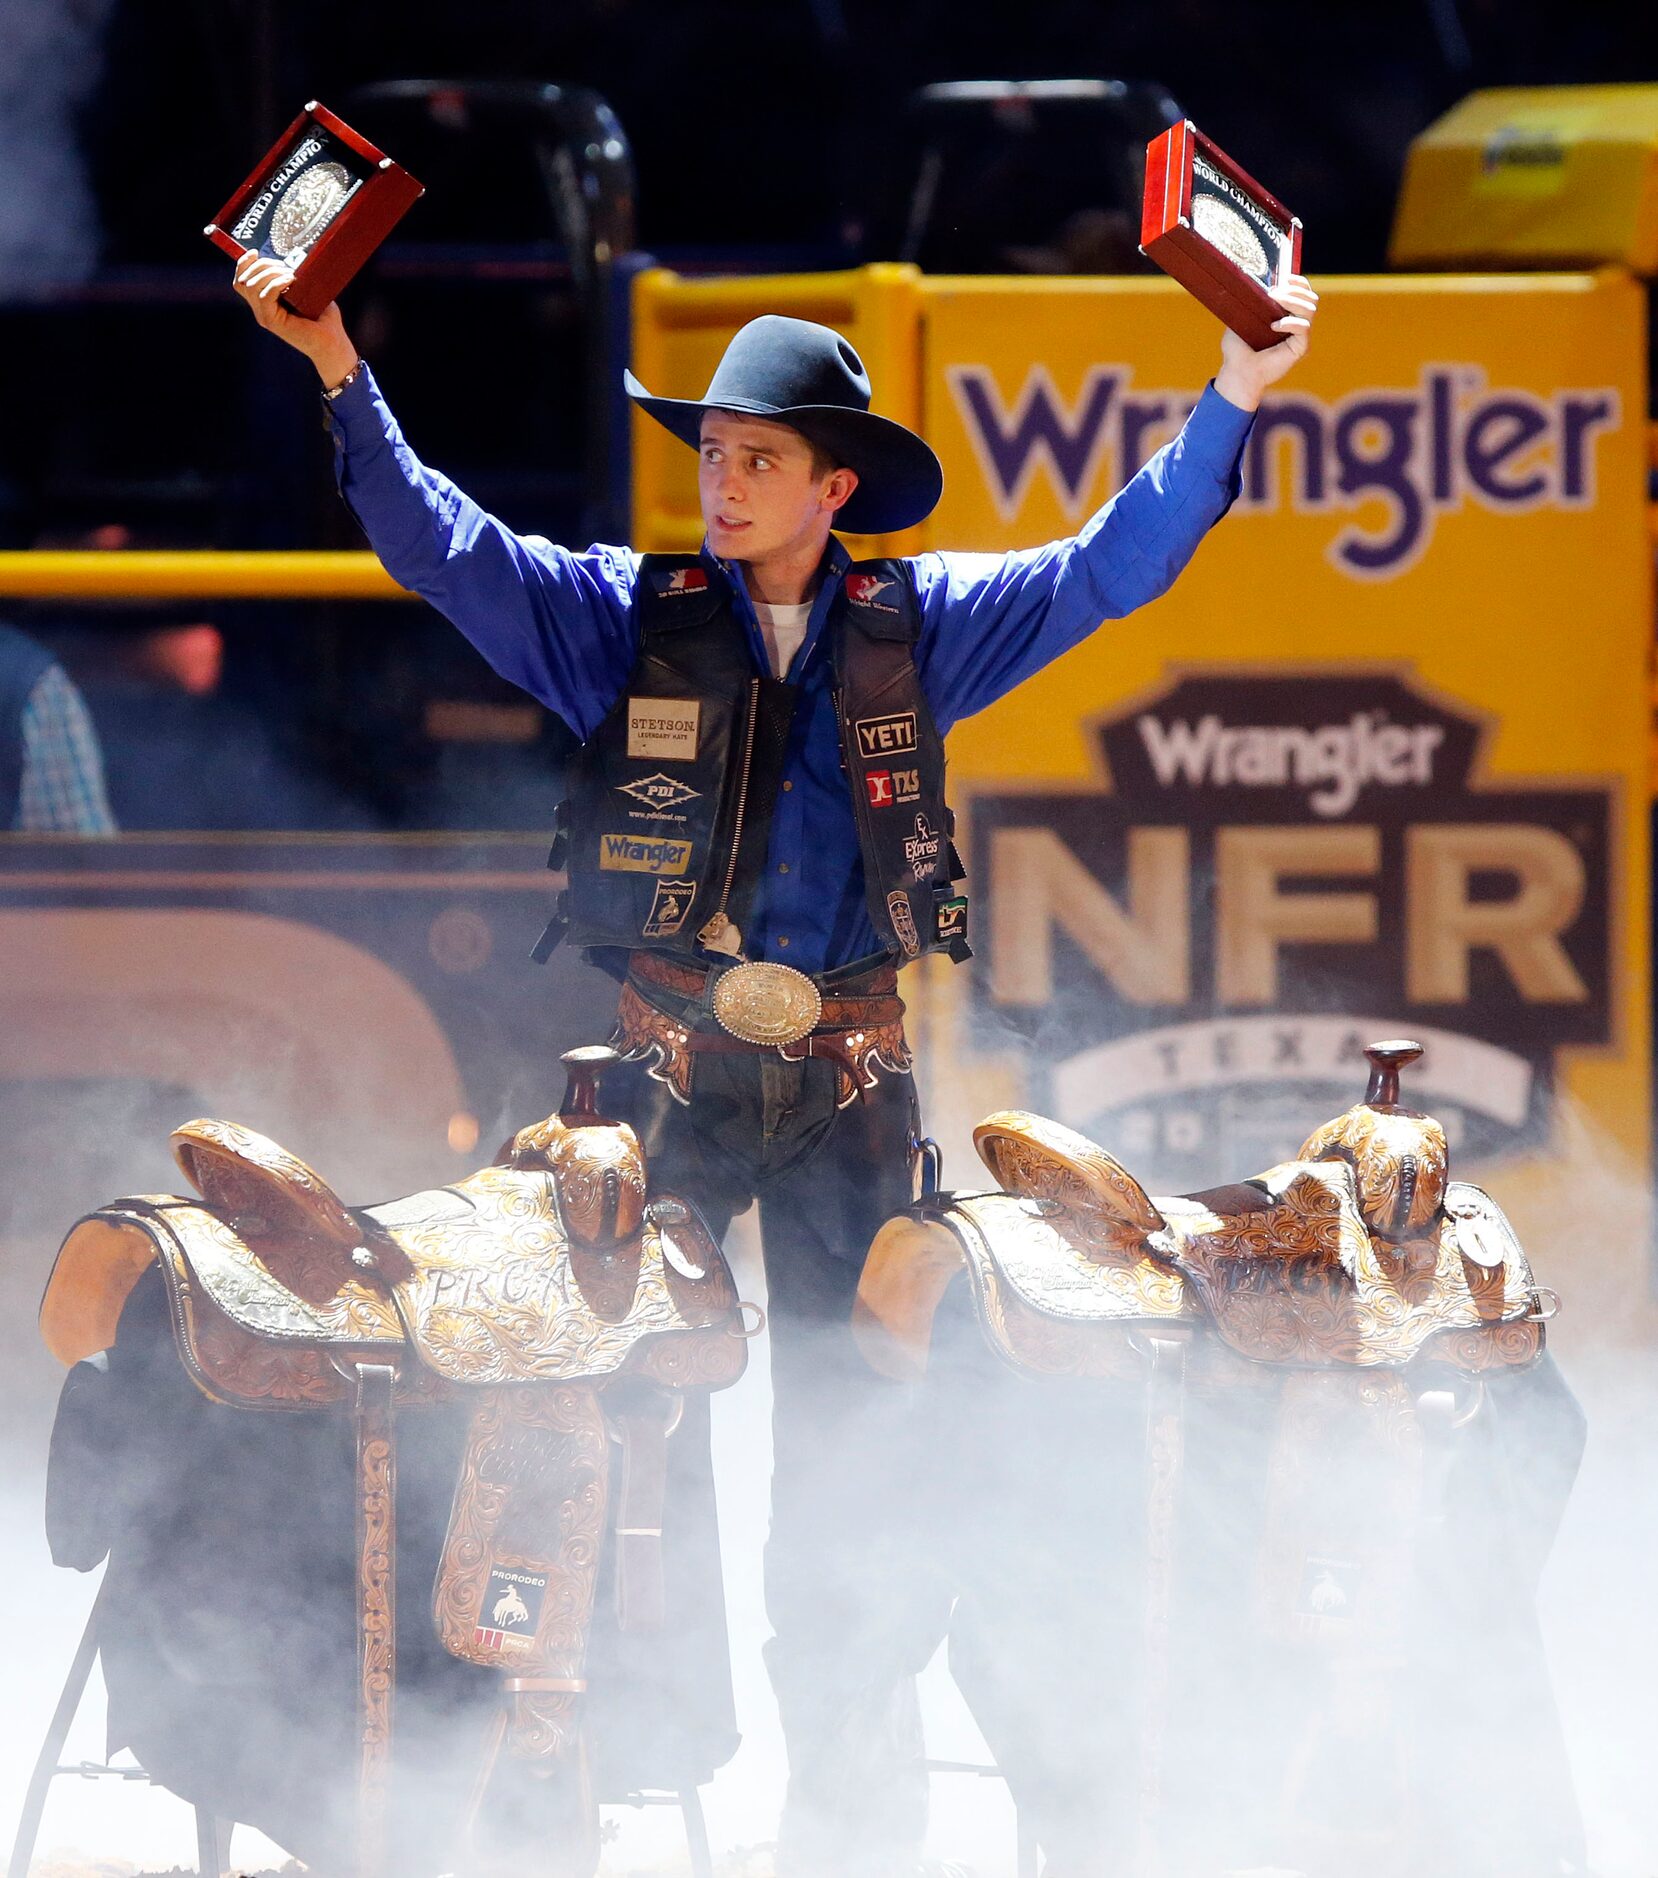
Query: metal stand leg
696 1833
207 1843
51 1749
376 1613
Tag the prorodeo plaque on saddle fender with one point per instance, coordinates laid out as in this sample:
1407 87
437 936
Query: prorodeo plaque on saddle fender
1211 226
322 199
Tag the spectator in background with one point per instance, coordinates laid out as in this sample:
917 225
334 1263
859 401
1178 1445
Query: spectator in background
51 769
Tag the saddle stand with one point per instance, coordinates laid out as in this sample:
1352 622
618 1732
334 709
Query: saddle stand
552 1293
1342 1312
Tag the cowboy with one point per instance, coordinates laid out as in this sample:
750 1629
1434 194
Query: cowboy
756 838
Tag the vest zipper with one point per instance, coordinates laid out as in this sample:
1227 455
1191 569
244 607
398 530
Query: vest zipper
719 934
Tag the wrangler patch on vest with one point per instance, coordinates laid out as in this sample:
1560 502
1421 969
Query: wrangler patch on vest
643 854
664 727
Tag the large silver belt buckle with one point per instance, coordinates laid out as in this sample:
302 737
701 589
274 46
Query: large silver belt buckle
767 1004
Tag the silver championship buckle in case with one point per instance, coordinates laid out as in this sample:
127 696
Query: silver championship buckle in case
767 1004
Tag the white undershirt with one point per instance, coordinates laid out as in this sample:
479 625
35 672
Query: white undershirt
782 628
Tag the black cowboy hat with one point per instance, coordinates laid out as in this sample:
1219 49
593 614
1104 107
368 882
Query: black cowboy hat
807 376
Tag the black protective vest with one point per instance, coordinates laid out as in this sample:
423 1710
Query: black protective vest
670 802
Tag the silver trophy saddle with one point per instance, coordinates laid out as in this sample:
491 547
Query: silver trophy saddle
552 1291
1361 1252
1305 1357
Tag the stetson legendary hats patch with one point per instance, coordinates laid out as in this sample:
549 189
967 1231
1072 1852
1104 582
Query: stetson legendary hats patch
663 727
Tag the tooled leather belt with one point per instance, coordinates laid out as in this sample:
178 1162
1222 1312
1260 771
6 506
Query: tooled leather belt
859 1026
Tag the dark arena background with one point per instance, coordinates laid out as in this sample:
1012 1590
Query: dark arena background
1378 765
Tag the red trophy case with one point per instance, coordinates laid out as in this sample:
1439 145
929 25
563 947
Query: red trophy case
1218 232
322 200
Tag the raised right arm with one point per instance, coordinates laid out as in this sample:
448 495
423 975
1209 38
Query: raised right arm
555 623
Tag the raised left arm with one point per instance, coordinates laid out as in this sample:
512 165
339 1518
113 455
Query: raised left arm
991 620
1245 373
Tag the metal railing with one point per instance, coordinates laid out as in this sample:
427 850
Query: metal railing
207 574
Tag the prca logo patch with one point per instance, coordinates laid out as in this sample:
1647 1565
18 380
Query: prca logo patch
511 1609
669 908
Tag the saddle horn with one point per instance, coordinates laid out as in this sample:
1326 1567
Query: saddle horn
1386 1060
584 1072
597 1165
1399 1156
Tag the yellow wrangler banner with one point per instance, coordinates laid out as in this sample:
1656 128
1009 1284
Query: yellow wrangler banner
1376 765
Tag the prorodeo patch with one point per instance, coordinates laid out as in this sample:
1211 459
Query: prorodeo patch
664 727
511 1609
643 854
1329 1588
669 908
886 736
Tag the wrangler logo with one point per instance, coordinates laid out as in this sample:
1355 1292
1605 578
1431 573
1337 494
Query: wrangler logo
643 854
1331 762
1384 463
1274 849
886 736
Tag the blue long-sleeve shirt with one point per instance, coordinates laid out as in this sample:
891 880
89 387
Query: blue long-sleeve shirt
560 624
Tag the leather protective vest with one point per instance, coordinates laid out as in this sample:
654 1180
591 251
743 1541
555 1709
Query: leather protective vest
669 810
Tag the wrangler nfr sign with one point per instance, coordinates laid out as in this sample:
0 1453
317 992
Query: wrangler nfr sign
1378 762
1281 865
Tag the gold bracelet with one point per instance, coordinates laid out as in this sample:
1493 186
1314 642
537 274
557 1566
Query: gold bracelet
345 383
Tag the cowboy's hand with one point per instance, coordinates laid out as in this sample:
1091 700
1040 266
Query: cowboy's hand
261 282
1245 373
